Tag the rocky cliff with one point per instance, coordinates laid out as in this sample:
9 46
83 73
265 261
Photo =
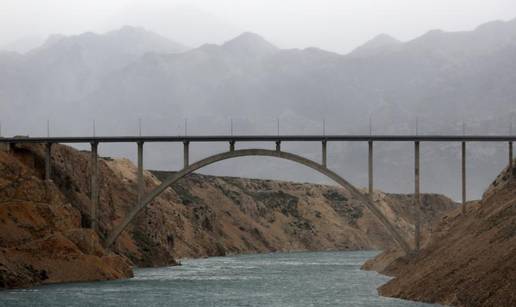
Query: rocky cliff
468 261
41 239
199 216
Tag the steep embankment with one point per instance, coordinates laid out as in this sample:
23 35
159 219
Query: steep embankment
199 216
41 239
469 261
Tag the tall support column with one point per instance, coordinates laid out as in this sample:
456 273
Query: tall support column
186 154
511 161
140 179
463 167
324 154
231 145
48 156
94 185
278 145
370 169
417 196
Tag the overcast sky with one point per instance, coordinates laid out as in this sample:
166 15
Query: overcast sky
336 25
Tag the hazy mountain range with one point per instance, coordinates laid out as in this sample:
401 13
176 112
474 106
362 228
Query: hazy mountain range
441 78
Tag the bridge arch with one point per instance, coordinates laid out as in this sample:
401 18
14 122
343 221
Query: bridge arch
115 233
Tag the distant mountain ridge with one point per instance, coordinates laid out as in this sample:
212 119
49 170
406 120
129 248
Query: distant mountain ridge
379 44
442 78
250 44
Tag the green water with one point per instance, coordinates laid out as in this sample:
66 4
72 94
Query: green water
280 279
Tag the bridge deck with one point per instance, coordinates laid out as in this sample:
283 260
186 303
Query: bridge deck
262 138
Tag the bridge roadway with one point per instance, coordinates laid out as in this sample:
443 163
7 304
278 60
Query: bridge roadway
321 167
261 138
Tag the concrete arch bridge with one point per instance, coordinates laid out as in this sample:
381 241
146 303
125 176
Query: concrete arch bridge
320 167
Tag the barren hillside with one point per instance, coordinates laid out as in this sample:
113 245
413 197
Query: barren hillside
469 261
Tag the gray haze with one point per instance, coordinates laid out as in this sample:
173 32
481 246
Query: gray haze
442 78
328 24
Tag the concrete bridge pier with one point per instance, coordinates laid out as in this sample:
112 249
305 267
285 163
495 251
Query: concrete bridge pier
370 169
278 145
94 185
232 146
48 156
186 154
140 179
324 154
417 196
463 167
511 161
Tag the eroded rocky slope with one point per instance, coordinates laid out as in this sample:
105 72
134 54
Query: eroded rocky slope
469 260
199 216
41 239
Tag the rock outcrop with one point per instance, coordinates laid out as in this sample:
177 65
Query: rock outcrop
469 260
41 239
